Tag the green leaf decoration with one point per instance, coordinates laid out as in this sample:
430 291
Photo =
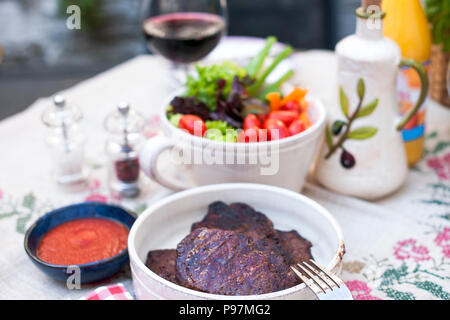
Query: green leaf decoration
398 295
344 102
368 109
433 288
392 275
432 135
440 186
361 89
437 202
329 137
29 201
359 112
362 133
21 223
8 214
337 126
441 146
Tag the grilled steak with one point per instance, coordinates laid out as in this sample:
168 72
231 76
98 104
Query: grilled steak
242 218
234 250
229 263
237 217
162 262
294 247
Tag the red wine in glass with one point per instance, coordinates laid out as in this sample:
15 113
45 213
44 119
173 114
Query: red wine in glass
184 37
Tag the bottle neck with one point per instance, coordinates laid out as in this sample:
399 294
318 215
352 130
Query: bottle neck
370 29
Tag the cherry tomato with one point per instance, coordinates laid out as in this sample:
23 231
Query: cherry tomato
273 124
296 127
286 116
292 106
251 121
263 135
252 135
193 124
262 117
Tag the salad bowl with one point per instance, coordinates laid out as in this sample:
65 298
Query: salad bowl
283 163
229 124
168 221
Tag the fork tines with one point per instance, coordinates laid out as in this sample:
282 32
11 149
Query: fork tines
316 277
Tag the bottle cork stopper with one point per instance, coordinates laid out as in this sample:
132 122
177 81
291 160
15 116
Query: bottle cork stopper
59 101
368 3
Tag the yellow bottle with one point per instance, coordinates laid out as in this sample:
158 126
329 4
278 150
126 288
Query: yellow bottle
407 25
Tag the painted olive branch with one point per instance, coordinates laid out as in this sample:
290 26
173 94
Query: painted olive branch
360 112
344 136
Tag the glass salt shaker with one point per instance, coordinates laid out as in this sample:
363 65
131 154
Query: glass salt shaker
124 126
66 142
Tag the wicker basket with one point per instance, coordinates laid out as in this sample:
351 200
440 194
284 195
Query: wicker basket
438 83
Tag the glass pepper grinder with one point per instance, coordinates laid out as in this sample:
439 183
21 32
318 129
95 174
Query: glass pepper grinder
66 142
124 126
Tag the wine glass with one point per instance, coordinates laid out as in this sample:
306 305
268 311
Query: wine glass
183 31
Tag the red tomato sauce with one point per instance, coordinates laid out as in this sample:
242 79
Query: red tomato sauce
83 241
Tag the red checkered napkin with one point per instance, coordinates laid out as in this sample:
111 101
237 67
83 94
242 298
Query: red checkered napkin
113 292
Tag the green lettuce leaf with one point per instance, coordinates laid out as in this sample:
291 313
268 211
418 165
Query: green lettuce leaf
204 87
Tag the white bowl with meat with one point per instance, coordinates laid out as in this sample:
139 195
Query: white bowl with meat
192 244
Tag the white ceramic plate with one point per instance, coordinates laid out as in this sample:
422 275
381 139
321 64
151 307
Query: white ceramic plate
167 222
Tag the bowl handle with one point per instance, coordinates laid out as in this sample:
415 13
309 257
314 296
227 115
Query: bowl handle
148 159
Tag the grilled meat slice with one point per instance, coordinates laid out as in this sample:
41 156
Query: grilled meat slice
238 217
162 262
234 250
228 263
294 247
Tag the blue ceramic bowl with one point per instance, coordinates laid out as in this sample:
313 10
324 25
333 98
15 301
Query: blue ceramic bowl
89 272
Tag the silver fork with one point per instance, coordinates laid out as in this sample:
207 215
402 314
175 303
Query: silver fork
324 284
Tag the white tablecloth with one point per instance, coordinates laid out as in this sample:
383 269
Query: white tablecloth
397 248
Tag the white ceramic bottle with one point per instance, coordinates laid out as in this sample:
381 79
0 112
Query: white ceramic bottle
364 155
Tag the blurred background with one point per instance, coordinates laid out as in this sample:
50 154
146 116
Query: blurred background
41 56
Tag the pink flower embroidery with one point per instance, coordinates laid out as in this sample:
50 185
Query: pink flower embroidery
96 197
446 251
1 194
408 249
94 184
443 240
360 290
115 198
441 166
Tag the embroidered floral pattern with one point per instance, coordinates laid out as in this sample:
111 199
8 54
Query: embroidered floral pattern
94 184
360 290
408 249
416 267
443 240
24 210
441 166
96 197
